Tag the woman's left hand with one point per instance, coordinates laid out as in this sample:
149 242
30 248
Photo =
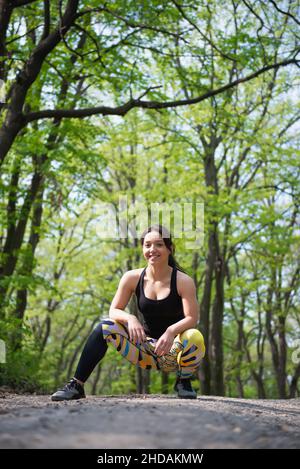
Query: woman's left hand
164 344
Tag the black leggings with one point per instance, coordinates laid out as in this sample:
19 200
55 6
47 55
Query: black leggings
94 350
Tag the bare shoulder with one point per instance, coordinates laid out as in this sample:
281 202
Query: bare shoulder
185 283
131 278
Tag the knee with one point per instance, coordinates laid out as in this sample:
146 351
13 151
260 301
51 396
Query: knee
107 321
97 333
193 336
106 325
98 329
111 326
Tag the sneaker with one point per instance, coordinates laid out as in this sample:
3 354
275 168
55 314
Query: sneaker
184 389
72 390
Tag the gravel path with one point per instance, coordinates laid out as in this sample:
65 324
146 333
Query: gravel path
151 421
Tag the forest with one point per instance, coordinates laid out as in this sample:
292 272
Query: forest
151 103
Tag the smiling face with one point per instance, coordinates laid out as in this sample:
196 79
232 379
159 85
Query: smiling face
154 249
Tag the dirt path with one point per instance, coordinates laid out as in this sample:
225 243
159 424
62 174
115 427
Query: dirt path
148 422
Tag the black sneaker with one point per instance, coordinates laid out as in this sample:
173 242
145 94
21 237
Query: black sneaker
184 389
72 390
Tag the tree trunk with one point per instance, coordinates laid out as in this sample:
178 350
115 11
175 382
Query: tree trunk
239 349
217 329
143 381
5 15
282 378
13 243
204 326
293 387
214 264
164 382
27 268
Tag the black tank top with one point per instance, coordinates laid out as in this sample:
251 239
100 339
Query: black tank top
158 315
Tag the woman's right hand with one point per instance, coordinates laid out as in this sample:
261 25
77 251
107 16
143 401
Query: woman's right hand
135 330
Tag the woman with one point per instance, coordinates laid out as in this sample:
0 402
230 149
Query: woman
166 339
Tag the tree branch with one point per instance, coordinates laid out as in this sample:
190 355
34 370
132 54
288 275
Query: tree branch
287 13
133 103
47 19
14 120
183 14
135 24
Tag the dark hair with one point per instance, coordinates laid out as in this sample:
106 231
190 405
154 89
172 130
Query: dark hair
166 236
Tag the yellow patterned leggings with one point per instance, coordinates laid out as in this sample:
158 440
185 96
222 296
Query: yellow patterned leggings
184 357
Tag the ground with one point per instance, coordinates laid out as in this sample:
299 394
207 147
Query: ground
148 421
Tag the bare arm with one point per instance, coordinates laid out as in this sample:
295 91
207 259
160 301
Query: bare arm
187 291
121 299
123 294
